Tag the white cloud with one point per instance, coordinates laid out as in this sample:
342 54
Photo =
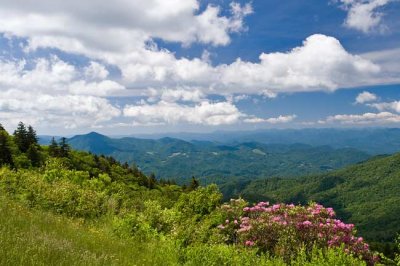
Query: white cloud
68 111
387 106
365 97
364 15
204 113
101 88
53 92
364 119
273 120
389 62
96 71
201 113
321 63
119 25
181 94
121 33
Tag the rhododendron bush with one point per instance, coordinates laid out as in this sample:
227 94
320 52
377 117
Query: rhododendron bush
285 229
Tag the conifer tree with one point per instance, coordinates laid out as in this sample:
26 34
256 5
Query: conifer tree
31 136
194 184
20 137
64 148
34 155
5 150
2 128
152 181
54 150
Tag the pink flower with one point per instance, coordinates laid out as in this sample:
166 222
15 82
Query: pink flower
307 223
249 243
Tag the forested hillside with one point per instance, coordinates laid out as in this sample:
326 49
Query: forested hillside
111 213
213 162
366 194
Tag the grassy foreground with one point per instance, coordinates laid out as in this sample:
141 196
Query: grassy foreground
32 237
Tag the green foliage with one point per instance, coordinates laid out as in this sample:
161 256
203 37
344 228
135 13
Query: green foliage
366 194
112 213
215 163
5 148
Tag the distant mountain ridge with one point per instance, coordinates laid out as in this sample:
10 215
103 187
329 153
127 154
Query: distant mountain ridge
370 140
178 159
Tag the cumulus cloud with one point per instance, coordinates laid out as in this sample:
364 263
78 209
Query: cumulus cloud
364 119
387 106
96 71
204 113
321 63
200 113
53 92
273 120
121 33
176 94
364 15
119 25
365 97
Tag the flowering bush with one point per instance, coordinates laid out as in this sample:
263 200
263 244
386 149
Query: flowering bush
284 229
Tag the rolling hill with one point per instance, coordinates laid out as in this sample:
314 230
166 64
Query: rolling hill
177 159
366 194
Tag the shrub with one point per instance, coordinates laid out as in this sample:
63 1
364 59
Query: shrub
284 229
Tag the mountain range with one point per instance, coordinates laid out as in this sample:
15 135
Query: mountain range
171 158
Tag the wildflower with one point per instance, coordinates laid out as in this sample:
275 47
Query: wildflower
307 223
249 243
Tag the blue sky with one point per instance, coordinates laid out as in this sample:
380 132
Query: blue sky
188 65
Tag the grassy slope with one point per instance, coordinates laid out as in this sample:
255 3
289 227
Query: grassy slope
30 237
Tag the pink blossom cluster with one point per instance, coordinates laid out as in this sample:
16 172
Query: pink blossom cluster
282 227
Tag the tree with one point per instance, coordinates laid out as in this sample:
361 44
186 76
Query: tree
194 184
21 137
5 150
64 148
34 155
54 150
2 128
152 181
31 136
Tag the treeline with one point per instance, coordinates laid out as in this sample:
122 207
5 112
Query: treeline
21 150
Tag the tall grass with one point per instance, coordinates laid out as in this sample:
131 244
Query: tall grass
32 237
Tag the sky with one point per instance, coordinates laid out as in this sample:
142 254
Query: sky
132 67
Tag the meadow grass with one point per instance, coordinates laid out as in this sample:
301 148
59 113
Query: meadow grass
32 237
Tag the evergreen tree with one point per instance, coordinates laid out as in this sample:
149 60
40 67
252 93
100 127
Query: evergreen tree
194 184
20 137
152 181
31 136
5 150
54 150
64 148
34 155
2 128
